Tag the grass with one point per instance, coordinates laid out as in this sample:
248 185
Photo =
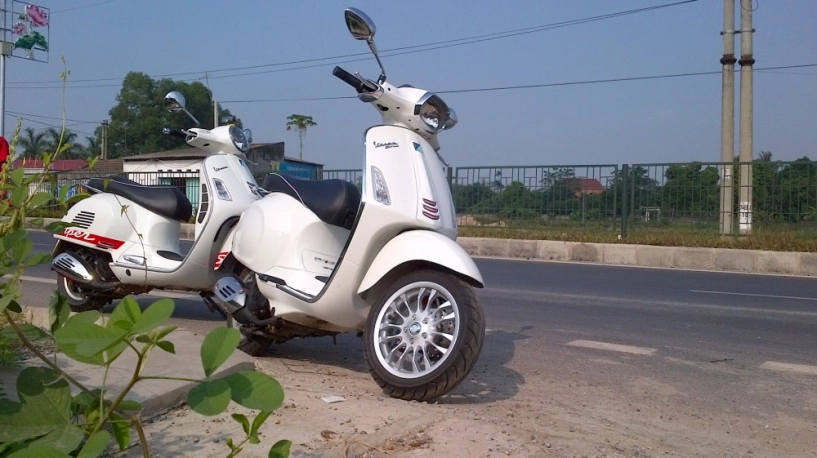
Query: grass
783 238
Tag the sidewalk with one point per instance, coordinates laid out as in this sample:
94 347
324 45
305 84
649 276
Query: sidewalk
154 395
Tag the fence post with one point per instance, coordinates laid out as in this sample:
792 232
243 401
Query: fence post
450 178
625 171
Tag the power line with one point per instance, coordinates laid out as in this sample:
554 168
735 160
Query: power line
83 6
537 86
388 52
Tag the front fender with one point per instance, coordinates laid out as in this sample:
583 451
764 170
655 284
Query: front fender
420 246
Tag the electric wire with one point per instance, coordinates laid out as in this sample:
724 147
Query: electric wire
385 53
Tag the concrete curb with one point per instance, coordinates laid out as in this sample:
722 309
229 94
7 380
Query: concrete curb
716 259
154 395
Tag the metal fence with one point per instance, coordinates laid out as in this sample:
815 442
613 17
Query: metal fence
681 197
606 198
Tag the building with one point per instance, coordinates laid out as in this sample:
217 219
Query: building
180 168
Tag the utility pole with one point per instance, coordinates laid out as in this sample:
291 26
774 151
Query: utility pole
5 52
728 116
746 121
104 140
215 114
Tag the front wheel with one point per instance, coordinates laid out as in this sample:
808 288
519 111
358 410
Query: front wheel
78 300
423 335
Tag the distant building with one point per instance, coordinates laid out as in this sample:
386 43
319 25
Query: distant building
586 186
180 168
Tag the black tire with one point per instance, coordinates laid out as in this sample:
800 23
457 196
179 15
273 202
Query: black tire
254 345
421 313
78 300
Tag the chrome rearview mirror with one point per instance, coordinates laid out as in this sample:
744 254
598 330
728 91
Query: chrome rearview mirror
175 102
360 26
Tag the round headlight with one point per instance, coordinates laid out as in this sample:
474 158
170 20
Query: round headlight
239 139
435 113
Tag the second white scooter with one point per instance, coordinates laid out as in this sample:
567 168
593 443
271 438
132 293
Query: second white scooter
317 258
124 239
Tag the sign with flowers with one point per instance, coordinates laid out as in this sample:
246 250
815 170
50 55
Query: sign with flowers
30 31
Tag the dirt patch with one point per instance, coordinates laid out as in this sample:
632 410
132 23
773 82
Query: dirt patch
495 413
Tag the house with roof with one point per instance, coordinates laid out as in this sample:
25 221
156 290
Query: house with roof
586 186
180 168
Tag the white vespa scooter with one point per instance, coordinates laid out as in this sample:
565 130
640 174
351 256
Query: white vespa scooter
319 260
124 239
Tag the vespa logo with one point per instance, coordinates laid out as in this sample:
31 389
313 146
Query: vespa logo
387 145
218 169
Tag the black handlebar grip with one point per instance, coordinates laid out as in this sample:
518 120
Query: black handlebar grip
349 79
174 132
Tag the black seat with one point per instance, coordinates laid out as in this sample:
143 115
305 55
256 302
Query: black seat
333 201
167 201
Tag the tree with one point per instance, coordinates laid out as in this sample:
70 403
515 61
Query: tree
300 123
66 139
32 144
139 116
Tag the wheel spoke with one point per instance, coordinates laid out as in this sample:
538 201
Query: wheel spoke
442 350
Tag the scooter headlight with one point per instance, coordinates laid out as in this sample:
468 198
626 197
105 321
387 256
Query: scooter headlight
239 139
434 113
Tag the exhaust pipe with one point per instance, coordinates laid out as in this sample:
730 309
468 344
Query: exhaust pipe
78 270
231 296
70 267
229 292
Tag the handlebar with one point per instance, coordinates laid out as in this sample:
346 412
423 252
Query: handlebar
174 132
355 81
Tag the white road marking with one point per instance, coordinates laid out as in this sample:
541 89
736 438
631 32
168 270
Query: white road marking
755 295
612 347
154 293
786 367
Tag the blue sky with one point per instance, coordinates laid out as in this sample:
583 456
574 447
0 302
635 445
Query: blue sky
661 120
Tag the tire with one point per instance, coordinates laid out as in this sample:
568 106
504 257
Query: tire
254 345
78 300
420 314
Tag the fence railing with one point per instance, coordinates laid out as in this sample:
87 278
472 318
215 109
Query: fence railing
682 197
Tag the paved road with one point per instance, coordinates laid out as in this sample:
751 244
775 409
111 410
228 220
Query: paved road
668 325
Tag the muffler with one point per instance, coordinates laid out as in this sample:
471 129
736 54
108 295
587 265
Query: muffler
79 271
231 296
70 267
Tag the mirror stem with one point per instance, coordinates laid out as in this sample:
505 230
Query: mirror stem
373 48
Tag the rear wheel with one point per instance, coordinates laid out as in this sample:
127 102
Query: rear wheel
78 300
423 335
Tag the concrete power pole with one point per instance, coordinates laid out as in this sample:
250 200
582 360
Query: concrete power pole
746 113
104 146
728 116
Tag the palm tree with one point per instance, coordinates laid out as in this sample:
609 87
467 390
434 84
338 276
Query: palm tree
300 122
92 148
33 144
59 137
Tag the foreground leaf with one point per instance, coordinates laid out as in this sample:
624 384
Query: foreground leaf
36 451
156 314
217 347
280 449
255 390
210 397
95 445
